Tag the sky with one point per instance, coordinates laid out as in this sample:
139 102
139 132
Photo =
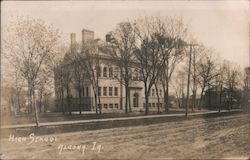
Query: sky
222 25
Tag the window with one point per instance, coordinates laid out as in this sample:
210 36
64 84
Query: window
111 72
116 91
153 104
144 105
140 77
149 104
104 91
98 71
80 93
87 91
136 75
153 92
111 106
105 106
160 105
110 91
116 105
99 91
99 105
105 72
116 72
160 92
83 94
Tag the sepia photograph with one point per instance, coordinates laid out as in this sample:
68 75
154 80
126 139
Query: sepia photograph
123 80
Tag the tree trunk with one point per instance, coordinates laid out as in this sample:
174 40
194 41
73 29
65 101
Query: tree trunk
220 97
202 90
129 101
80 100
209 97
62 101
100 107
126 99
146 104
68 100
40 103
158 99
36 111
194 82
231 101
121 89
166 100
18 103
96 107
29 98
179 102
146 98
166 92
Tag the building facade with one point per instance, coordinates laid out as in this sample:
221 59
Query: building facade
247 89
110 89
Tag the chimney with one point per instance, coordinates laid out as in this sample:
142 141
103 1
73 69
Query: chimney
108 37
87 35
72 42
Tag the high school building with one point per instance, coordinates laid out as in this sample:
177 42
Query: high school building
110 90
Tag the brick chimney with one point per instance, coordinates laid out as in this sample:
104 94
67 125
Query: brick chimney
72 42
108 37
87 35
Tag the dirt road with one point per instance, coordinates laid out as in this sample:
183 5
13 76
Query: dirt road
206 138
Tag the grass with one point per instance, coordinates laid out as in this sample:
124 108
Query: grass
58 116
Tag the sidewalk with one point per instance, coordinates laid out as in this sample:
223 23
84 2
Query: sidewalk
108 119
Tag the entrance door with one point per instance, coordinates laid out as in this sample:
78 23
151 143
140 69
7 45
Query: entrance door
136 100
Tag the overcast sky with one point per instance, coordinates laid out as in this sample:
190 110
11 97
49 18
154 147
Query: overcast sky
223 25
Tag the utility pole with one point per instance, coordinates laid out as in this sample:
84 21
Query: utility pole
194 82
189 70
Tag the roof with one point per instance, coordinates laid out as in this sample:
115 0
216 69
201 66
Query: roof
216 88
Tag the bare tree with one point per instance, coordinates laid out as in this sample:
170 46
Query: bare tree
77 71
166 41
206 71
197 53
220 82
56 66
233 81
121 42
90 60
179 85
28 45
173 49
157 81
78 75
67 79
148 54
44 86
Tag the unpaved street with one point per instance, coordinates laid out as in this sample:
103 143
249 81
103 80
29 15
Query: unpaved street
221 137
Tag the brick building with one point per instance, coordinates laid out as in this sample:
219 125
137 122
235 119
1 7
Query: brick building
110 90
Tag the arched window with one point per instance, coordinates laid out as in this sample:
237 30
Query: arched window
136 100
110 72
104 71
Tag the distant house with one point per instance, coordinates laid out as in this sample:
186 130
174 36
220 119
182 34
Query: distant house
246 97
221 97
